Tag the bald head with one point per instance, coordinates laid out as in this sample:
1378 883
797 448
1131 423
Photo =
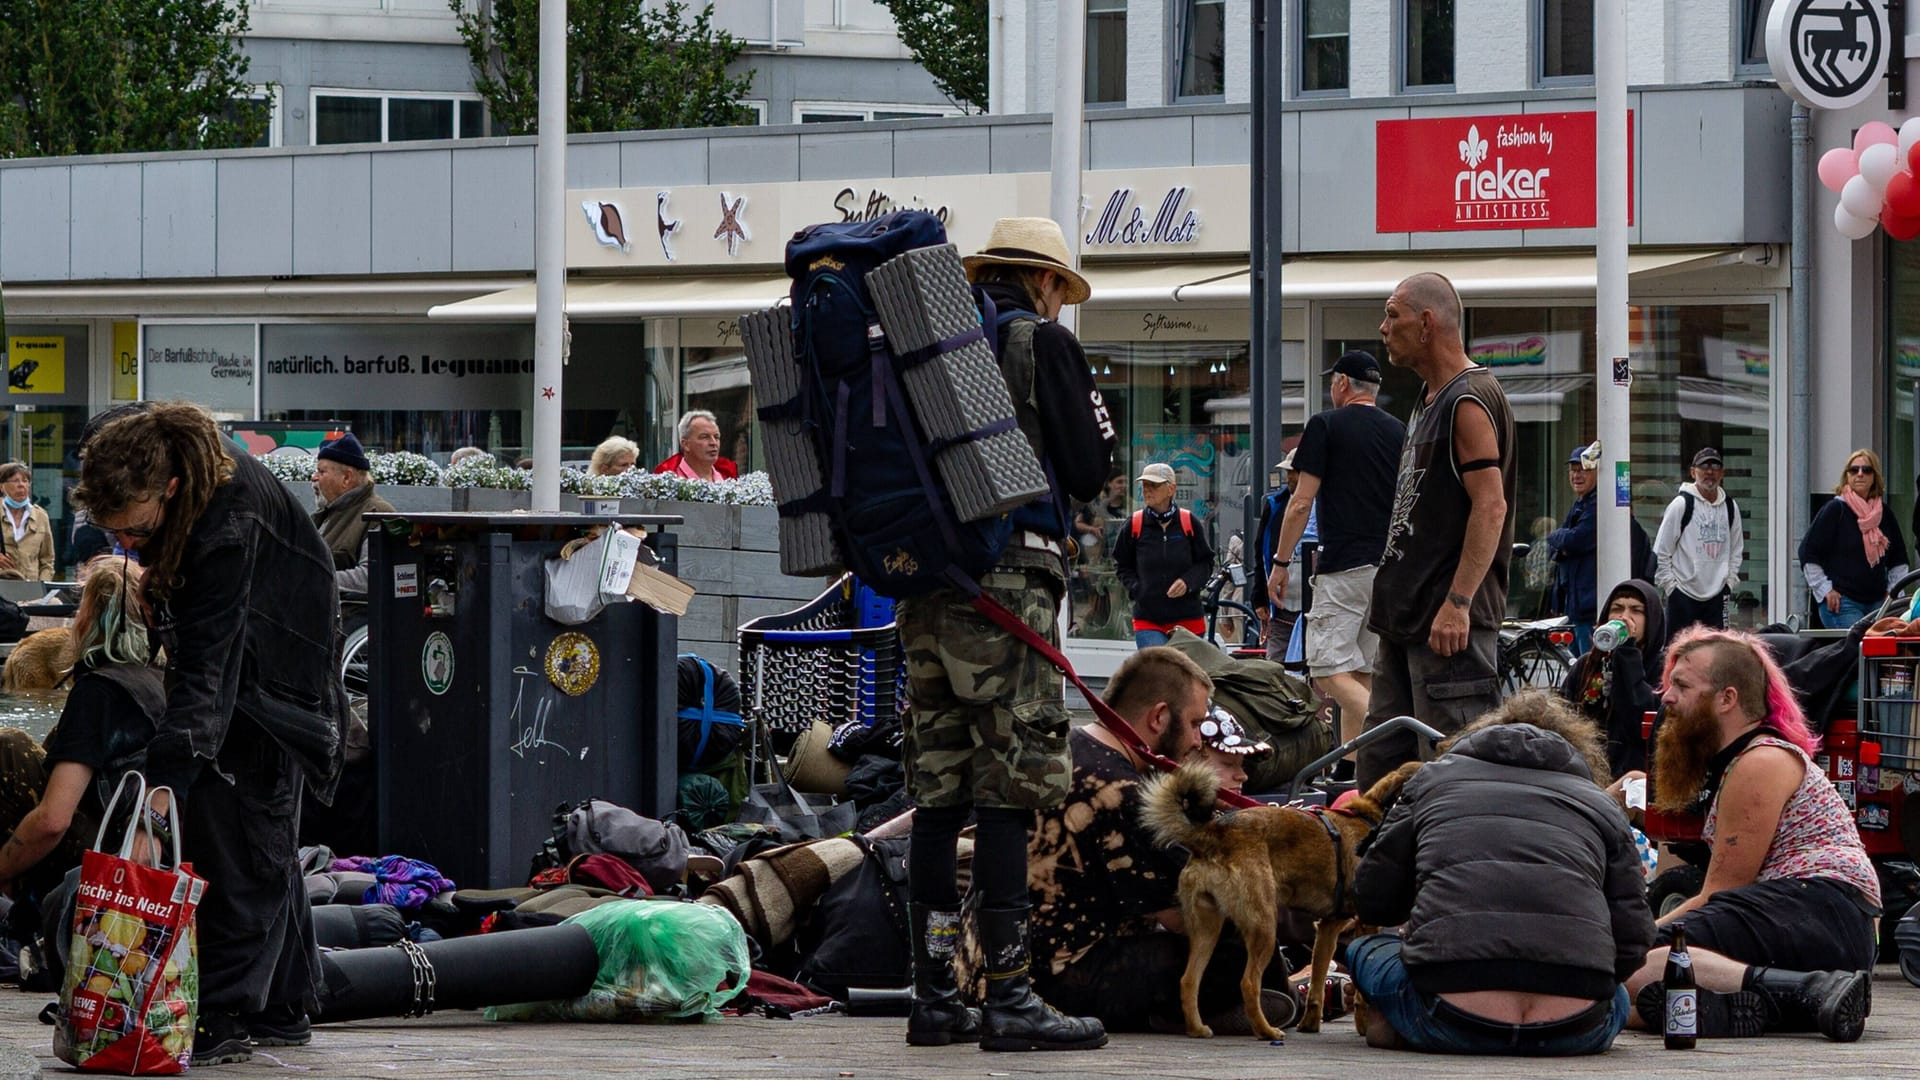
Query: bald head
1429 292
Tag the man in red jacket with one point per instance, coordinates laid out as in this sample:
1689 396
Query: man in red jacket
699 457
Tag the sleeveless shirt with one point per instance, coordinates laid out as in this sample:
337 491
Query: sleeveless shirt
1428 528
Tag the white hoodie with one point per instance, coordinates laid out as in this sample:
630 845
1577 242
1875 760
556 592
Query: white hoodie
1706 558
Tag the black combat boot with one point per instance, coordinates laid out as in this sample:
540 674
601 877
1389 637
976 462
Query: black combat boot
939 1017
1013 1016
1833 1003
1739 1015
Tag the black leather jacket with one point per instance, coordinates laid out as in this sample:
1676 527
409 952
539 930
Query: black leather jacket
249 633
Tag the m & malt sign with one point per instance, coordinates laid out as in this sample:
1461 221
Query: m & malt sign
1516 171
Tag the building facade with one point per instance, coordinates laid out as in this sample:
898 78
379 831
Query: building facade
390 286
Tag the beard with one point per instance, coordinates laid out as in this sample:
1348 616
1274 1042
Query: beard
1171 740
1682 753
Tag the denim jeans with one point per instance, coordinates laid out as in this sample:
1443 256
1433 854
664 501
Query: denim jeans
1382 980
1582 638
1145 639
1851 611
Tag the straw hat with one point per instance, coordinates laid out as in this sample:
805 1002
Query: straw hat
1031 241
811 768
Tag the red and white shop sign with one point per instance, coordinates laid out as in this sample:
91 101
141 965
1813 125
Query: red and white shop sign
1517 171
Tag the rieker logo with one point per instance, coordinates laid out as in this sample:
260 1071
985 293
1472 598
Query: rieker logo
1498 195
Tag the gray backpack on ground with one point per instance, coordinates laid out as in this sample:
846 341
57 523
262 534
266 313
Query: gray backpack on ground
655 848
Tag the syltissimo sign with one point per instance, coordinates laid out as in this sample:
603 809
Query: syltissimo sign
1519 171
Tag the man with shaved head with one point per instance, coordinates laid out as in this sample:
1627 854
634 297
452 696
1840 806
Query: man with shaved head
1441 590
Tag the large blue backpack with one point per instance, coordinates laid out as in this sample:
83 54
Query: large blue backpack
895 526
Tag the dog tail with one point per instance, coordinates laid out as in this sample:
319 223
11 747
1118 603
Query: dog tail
1176 807
1380 798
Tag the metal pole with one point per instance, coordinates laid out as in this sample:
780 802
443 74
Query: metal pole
1612 414
1800 358
1069 98
550 255
1266 389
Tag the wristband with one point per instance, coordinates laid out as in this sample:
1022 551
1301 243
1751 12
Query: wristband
1283 565
161 825
1457 600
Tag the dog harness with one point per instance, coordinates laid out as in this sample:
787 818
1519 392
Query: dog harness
1319 813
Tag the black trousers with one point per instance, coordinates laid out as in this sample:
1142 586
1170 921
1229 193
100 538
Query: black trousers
1684 611
256 930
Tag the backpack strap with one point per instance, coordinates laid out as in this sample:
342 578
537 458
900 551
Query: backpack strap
1138 516
1686 516
1108 718
706 714
1186 522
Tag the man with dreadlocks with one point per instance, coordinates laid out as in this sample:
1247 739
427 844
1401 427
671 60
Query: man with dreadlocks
241 592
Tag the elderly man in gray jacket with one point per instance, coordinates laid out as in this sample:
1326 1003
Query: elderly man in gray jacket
1517 889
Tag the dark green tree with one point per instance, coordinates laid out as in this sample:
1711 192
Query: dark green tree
116 76
633 66
949 39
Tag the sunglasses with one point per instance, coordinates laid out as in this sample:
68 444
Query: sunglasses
1860 470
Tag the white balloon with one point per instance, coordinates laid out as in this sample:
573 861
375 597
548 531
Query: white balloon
1852 226
1878 163
1860 199
1909 134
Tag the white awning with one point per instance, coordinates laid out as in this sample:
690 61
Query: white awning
639 297
1195 284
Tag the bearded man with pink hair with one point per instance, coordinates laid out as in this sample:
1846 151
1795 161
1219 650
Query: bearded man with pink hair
1782 933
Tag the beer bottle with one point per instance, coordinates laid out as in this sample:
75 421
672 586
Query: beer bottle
1683 999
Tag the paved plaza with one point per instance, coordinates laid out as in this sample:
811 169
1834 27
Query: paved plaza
463 1046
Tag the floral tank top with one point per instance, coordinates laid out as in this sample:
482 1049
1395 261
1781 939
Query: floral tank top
1816 837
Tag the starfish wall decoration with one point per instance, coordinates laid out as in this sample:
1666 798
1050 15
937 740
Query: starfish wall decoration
732 229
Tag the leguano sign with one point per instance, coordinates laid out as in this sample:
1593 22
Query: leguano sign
1463 173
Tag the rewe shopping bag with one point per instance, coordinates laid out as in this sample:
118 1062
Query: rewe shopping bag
132 987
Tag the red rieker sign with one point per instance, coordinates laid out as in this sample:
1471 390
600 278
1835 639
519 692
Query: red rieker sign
1517 171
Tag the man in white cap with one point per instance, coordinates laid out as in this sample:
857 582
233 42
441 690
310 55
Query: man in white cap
1163 559
987 735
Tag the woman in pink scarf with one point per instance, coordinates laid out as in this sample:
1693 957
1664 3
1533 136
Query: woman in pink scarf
1853 550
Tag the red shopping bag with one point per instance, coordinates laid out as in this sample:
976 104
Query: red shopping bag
132 985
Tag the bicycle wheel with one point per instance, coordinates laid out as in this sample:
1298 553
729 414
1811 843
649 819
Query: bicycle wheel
353 672
1533 664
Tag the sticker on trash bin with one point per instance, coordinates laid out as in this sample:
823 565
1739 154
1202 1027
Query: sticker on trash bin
406 580
436 662
573 663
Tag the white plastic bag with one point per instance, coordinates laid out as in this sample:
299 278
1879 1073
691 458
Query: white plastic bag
578 579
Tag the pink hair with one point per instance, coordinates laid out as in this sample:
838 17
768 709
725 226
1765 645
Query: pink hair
1783 709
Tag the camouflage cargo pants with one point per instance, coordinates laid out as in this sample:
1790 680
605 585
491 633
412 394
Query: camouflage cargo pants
987 724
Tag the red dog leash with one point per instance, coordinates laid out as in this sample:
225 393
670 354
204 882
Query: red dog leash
1112 721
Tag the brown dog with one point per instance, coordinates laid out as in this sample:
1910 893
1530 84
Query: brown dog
1247 865
38 662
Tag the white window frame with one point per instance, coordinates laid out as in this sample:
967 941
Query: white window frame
1741 66
1127 14
385 97
1297 42
866 109
276 111
759 109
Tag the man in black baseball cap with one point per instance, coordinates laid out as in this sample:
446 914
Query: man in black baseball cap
1358 365
1348 461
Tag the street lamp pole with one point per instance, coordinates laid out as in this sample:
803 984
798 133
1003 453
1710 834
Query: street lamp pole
1612 374
550 255
1069 96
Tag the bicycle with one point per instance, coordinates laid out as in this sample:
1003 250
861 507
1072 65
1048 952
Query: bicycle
1534 654
1211 603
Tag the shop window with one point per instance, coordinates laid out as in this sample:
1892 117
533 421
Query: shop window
1106 52
354 117
1323 45
1185 404
715 379
435 433
1427 26
1566 40
1900 446
1203 49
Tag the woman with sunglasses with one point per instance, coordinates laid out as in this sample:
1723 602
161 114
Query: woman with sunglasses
1853 550
241 590
26 538
51 798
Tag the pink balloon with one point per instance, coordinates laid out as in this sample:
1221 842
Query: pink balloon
1837 166
1874 131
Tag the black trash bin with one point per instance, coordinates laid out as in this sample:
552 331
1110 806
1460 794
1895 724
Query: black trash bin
484 713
